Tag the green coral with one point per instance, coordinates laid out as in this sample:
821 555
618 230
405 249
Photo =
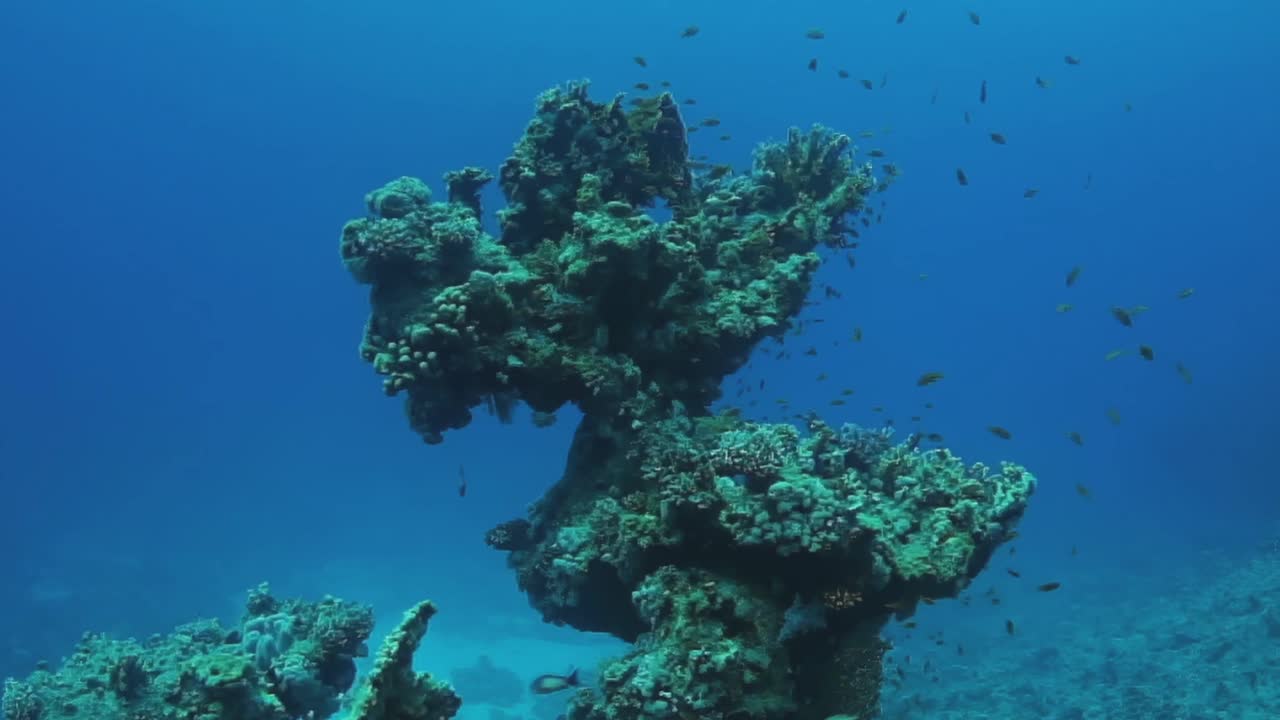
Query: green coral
585 299
285 660
393 691
766 517
717 546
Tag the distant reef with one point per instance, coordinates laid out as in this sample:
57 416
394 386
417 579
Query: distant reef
285 660
752 566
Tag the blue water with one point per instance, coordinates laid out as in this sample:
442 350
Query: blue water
185 413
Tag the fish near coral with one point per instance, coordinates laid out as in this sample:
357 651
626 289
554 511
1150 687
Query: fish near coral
547 684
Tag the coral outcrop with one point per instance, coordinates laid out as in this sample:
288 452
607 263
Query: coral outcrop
751 565
285 660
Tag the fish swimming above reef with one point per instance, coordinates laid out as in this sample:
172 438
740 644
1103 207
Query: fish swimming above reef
1122 316
547 684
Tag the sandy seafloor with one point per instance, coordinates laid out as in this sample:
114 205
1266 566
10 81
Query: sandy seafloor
1200 641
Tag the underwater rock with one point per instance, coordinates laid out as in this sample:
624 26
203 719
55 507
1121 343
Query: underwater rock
687 534
298 660
487 683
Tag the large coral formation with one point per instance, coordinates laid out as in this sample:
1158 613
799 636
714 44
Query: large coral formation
284 660
752 565
728 549
585 299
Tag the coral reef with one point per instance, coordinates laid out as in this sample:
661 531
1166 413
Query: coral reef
751 565
585 299
285 660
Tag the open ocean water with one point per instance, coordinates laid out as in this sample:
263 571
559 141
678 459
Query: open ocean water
185 413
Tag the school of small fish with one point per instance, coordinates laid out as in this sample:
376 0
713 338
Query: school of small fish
1126 316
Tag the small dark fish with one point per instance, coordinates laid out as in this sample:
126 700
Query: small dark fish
1128 107
690 101
875 153
1049 586
710 122
691 130
842 74
934 437
975 18
1183 372
929 378
1122 316
868 84
1113 415
1185 293
967 117
999 432
462 481
1083 491
1030 193
547 684
1013 572
1076 438
813 64
1008 627
999 138
725 138
689 31
884 80
1065 307
891 170
982 93
1146 352
1071 60
665 83
1074 275
642 86
961 177
639 60
815 34
857 334
910 625
933 99
1042 83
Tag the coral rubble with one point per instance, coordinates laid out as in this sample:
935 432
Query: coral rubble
285 660
751 565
